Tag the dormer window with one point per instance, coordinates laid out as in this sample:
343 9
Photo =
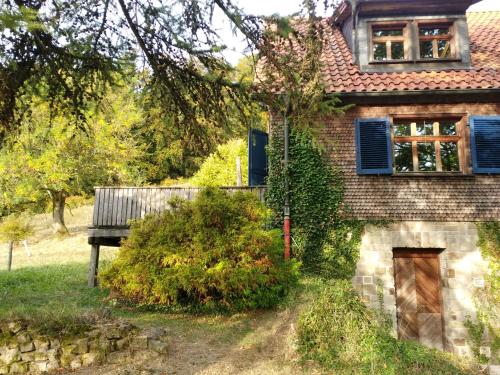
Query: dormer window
435 41
413 44
388 42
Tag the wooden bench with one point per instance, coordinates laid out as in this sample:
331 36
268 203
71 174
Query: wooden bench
115 207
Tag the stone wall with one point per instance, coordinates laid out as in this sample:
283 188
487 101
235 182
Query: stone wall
461 269
23 350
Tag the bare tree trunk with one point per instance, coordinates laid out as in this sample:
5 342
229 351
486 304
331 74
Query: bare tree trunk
9 259
58 203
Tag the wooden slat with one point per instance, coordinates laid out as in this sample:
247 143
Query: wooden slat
428 285
115 207
406 298
430 330
95 216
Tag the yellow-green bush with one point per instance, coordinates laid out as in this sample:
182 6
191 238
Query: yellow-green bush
346 337
213 251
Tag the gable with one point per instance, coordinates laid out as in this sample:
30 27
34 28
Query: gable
342 75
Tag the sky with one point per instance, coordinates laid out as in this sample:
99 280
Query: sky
286 7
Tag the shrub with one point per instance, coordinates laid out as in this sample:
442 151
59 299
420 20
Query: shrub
15 228
345 336
219 168
210 252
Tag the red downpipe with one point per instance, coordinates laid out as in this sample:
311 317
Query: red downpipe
286 230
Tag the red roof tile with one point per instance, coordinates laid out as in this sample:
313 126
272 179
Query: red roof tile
341 75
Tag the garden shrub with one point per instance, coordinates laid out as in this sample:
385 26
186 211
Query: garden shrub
346 337
210 252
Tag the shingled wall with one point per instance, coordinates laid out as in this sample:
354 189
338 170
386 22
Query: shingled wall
429 198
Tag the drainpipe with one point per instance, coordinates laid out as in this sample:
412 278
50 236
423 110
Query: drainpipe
286 208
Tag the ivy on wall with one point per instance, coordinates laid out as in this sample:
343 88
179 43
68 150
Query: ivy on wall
325 243
487 299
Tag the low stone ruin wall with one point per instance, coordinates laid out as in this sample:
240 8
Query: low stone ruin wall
24 351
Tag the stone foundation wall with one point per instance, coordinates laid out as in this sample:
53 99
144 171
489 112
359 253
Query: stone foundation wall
23 350
462 271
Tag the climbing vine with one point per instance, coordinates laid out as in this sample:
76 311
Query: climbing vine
487 299
324 242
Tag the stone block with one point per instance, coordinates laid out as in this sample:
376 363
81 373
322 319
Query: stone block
28 347
41 343
18 368
485 350
459 342
69 348
450 273
28 357
92 358
10 355
55 343
53 365
40 366
4 369
367 280
15 327
53 355
113 333
370 290
82 346
122 343
66 359
76 363
41 356
23 338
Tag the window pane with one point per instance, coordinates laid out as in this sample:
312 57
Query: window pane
425 127
426 50
426 156
394 32
447 128
434 31
403 157
449 156
397 50
379 51
402 130
444 49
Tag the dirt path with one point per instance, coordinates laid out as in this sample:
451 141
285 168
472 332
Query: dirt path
262 343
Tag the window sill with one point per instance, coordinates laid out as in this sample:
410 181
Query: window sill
432 174
419 61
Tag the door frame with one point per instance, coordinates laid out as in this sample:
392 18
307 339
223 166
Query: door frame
425 252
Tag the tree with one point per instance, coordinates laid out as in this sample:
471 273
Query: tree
50 156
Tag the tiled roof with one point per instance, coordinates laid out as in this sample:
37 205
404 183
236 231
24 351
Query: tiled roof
341 75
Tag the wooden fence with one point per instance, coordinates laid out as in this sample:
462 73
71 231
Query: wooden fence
114 207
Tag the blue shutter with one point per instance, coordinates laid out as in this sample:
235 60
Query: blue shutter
485 144
373 146
257 157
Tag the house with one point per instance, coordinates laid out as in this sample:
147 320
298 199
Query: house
420 149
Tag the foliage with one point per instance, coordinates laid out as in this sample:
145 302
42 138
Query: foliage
315 191
209 252
488 299
50 158
346 337
219 169
15 228
341 249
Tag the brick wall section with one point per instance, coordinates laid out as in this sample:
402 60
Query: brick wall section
462 271
434 198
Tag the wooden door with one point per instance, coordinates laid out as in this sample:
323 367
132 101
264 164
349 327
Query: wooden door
418 296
